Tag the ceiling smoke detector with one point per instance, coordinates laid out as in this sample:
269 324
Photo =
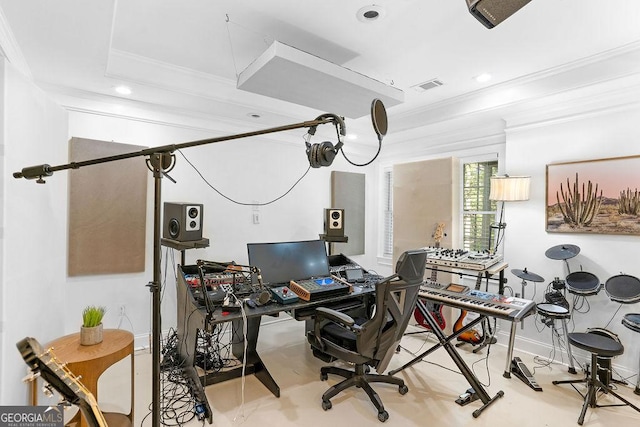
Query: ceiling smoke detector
370 13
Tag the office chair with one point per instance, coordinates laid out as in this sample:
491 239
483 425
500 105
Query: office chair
369 342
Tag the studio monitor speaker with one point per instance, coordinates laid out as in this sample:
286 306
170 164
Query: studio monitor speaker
182 221
493 12
334 222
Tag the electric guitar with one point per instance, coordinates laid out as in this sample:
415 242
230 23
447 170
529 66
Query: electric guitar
58 376
434 309
471 336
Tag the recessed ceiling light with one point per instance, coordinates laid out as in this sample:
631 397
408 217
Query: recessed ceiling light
352 136
123 90
370 13
483 78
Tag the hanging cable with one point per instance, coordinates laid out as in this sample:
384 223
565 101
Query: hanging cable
265 38
233 55
244 203
367 163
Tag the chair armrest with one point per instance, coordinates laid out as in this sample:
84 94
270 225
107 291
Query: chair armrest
336 316
324 313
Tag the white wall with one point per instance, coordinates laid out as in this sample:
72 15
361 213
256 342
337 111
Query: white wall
34 226
244 170
591 126
39 300
257 169
597 121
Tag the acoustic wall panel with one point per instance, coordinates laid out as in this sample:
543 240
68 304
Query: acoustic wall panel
107 210
425 194
347 192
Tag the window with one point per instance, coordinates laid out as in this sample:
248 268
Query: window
478 212
387 209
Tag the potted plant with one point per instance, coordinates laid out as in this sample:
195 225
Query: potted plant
91 330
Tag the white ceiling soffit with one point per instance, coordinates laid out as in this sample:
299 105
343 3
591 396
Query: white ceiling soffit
289 74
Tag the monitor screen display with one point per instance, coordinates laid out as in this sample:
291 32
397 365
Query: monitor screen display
281 262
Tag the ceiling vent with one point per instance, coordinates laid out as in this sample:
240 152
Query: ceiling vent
430 84
289 74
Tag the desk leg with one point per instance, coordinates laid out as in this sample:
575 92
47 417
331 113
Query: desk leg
253 362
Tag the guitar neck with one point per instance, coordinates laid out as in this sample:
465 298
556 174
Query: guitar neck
434 269
91 412
478 281
84 398
59 377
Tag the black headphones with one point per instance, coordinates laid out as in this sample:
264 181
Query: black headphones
322 154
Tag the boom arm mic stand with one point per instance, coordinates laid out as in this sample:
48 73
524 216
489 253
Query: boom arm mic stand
160 160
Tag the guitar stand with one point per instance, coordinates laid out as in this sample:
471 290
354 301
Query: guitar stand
445 342
487 339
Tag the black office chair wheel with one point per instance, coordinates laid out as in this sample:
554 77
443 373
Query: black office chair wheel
323 376
403 389
383 416
326 405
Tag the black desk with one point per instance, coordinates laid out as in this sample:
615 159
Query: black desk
192 317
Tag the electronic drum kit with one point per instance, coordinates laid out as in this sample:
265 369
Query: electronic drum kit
621 288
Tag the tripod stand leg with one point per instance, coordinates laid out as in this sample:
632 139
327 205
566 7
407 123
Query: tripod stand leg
637 390
565 331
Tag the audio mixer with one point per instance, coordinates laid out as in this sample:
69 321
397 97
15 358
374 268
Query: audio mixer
460 258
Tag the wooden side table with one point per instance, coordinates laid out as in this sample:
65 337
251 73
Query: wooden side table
89 362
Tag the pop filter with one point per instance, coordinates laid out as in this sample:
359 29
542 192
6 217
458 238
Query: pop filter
380 125
379 118
323 154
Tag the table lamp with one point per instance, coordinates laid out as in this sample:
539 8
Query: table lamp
506 188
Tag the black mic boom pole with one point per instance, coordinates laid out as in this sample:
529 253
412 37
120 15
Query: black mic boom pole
160 159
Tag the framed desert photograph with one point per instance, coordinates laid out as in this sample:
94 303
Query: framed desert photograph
594 196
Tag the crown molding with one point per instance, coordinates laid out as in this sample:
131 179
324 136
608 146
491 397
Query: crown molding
608 65
87 102
11 49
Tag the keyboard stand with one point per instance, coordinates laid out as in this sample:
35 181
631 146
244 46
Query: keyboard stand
445 341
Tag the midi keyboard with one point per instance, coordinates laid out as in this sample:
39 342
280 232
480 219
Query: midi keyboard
486 303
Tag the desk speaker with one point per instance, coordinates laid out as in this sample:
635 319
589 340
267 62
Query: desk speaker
334 222
182 221
492 12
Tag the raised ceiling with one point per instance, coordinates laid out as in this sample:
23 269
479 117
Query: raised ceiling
184 56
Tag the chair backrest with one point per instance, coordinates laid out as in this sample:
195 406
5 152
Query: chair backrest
396 298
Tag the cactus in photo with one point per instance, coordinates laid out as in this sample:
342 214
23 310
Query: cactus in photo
579 208
629 203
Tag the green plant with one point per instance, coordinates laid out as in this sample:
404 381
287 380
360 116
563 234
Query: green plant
629 202
579 208
92 316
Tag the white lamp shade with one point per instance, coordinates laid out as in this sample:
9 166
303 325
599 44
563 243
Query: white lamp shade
509 188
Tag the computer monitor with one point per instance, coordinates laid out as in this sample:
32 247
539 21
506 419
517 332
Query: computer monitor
280 262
